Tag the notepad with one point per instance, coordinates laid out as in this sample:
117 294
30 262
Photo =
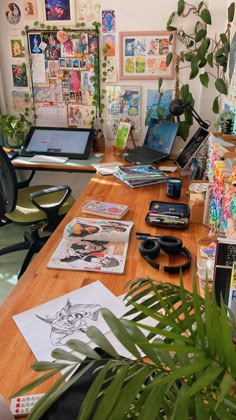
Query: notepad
49 159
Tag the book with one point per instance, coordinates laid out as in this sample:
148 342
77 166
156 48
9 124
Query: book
103 208
224 261
93 245
140 183
139 172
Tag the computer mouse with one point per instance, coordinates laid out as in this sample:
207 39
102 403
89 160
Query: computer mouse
98 155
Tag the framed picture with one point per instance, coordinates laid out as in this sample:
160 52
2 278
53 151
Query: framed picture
59 12
143 55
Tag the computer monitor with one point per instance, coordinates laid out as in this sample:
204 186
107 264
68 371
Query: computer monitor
74 143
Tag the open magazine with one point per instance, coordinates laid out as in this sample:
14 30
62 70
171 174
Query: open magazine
93 245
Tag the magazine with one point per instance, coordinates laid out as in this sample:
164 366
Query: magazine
103 208
93 245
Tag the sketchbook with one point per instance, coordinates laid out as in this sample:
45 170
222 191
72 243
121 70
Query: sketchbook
93 245
103 208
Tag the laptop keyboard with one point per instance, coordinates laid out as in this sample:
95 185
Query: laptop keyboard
143 156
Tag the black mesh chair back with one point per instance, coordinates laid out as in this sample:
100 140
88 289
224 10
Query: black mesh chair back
8 184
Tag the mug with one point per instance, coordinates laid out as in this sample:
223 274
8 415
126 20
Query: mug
173 187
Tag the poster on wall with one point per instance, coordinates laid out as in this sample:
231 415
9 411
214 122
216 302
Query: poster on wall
143 55
59 12
123 103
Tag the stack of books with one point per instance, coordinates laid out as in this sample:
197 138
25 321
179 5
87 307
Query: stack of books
139 175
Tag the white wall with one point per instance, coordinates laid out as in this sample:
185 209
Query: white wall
131 15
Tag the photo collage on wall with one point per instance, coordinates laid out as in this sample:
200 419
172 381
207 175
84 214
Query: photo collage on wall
63 74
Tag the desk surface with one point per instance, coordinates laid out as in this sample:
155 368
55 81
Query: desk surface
72 165
40 284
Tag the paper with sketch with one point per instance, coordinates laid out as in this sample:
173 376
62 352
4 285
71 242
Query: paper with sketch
53 323
93 245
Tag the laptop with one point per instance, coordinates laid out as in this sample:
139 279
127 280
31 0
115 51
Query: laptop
158 143
73 143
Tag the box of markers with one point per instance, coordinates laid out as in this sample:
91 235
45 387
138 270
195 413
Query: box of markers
168 215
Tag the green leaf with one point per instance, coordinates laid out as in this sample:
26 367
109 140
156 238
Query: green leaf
200 6
98 338
119 331
200 35
171 28
65 355
221 86
169 21
210 59
210 375
206 16
183 130
160 81
223 38
204 78
83 348
194 72
231 11
216 106
181 6
35 383
188 56
169 58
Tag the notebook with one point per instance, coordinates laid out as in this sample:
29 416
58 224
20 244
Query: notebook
158 143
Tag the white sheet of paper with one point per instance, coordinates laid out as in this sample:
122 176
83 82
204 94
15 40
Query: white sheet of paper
53 323
38 68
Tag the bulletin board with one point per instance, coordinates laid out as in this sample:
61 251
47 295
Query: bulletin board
64 76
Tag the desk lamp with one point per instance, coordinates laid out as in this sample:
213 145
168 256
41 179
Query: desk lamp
177 107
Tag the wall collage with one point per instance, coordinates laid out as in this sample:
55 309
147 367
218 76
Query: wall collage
62 49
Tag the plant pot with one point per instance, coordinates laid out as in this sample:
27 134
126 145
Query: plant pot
15 141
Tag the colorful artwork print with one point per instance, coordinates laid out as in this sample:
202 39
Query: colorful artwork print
122 134
88 11
30 9
80 115
42 94
21 100
34 43
123 102
157 102
111 65
81 45
108 45
67 48
143 55
19 75
17 49
57 10
13 13
108 20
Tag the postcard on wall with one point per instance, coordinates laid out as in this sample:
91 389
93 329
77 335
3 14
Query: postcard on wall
88 11
13 15
93 245
59 12
51 115
111 66
53 323
30 10
109 45
19 74
17 47
21 100
108 21
38 69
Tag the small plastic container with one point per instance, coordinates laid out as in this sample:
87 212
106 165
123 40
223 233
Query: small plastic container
203 275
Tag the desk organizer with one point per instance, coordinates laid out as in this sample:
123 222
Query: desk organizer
168 215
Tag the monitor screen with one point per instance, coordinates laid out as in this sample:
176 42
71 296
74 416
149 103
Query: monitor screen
190 150
69 142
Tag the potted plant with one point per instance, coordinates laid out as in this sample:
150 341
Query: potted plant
225 122
14 129
181 361
204 56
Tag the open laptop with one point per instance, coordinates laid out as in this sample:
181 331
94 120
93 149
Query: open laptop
158 143
73 143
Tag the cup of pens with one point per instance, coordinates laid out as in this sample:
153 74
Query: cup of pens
173 187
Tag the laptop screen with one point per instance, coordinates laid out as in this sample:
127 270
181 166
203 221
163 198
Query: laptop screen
160 135
73 143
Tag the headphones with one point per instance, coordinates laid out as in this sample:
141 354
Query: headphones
150 249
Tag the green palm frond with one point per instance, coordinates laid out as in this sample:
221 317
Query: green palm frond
181 359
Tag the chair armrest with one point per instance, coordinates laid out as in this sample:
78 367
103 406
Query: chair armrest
51 210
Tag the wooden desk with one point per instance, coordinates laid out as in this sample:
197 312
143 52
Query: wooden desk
40 284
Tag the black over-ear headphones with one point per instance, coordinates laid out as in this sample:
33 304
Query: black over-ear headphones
150 249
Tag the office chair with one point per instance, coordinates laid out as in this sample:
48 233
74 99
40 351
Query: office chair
41 206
